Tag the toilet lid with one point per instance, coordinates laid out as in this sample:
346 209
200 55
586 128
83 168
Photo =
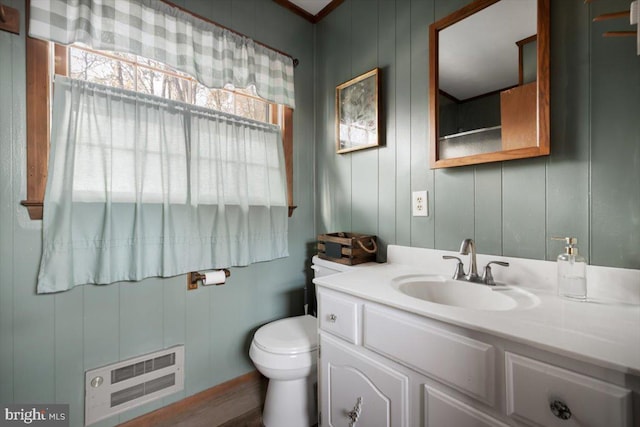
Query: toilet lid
288 336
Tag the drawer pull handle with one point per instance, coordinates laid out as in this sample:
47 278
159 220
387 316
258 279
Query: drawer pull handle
333 318
560 410
355 413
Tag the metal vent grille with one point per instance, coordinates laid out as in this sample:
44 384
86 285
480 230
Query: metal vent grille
124 385
141 368
137 391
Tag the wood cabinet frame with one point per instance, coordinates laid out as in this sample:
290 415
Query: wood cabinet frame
543 93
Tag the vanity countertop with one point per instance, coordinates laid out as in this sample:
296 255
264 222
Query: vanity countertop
604 334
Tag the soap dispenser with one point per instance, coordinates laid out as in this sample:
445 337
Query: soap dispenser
572 271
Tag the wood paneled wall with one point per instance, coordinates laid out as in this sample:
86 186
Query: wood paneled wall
589 187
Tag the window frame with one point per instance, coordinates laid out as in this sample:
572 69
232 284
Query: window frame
39 63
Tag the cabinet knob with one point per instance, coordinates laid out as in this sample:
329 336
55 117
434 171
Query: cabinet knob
560 410
333 318
355 413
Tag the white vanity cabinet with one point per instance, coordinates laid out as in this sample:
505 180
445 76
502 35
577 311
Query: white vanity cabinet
382 366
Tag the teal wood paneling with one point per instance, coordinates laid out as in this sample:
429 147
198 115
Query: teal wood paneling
140 320
333 187
454 207
523 208
198 370
33 338
47 342
224 357
403 122
364 169
587 187
487 202
341 178
68 326
220 11
243 15
615 144
422 178
100 340
101 325
387 154
568 166
174 319
7 213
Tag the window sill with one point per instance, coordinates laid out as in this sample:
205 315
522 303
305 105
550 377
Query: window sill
34 207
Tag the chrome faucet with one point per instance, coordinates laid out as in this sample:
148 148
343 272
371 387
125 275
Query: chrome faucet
468 247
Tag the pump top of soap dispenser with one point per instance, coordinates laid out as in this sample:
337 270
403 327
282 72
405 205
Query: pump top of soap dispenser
571 242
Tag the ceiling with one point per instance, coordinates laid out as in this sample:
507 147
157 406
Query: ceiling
311 6
311 10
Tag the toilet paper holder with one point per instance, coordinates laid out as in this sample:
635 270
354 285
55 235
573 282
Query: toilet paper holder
195 276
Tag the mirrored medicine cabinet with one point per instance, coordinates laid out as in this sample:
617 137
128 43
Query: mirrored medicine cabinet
489 83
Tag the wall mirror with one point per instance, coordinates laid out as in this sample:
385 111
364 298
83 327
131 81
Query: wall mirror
489 83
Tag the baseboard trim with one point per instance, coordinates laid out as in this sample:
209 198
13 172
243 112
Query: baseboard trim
250 383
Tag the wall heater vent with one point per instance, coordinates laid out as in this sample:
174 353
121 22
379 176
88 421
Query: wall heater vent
124 385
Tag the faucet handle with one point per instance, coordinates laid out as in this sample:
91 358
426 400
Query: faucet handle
487 277
459 273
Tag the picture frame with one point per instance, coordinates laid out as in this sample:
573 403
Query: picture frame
358 113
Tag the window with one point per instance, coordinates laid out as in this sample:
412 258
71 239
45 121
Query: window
143 75
133 73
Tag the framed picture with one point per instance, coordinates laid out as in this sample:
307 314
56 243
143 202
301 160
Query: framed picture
358 113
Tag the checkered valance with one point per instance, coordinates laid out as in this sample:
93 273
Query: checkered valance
214 55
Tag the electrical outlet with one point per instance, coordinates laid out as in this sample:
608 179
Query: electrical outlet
420 203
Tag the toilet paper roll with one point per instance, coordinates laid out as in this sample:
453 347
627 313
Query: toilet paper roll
214 277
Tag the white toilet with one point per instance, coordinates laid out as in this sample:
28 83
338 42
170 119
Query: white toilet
285 351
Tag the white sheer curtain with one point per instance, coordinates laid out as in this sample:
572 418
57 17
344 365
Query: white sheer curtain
140 186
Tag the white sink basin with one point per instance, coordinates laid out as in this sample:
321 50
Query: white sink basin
440 290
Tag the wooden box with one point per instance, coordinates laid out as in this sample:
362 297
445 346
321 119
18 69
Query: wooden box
347 248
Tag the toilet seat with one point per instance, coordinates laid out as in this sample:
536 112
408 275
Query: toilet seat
288 336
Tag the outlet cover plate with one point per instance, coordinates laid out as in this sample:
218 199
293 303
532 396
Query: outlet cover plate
420 203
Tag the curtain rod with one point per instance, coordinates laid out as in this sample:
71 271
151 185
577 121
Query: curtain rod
132 95
195 15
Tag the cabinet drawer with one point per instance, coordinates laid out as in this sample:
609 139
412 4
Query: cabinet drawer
442 410
532 387
338 315
458 361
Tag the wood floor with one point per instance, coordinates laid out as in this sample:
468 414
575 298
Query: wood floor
250 419
237 403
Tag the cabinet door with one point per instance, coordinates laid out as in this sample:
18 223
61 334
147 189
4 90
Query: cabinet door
358 391
442 410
